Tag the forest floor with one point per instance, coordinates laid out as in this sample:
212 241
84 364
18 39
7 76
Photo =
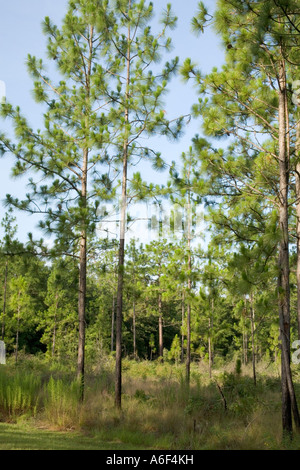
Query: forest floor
39 407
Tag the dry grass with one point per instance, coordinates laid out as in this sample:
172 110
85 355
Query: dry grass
159 411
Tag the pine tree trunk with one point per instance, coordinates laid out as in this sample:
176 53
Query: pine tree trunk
245 346
253 339
134 331
188 320
18 328
160 328
289 402
188 341
83 235
210 346
119 316
54 327
297 178
182 328
119 319
82 281
4 300
81 313
245 336
112 335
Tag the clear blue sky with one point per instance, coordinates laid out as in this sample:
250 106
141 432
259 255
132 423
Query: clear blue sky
20 34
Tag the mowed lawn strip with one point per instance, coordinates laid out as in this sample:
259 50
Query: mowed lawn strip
23 437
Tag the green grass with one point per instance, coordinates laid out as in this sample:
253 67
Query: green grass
28 437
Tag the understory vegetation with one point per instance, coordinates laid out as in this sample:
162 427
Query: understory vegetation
159 411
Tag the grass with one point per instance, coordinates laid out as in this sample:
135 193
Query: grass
158 410
29 437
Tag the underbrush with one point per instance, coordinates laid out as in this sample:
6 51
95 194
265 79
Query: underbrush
159 410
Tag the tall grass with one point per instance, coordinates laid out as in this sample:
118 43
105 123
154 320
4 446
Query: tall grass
61 403
19 393
158 409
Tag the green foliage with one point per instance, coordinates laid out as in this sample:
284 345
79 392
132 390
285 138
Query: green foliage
238 367
175 351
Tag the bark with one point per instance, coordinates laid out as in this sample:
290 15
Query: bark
252 319
18 327
81 313
54 327
188 340
245 346
119 319
160 328
112 336
134 331
210 346
297 178
289 403
4 300
83 239
119 316
188 320
82 281
182 328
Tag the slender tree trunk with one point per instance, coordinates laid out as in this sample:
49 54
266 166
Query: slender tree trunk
4 299
81 313
210 326
245 336
112 335
83 237
188 341
160 328
182 327
297 178
18 328
119 317
252 319
54 327
188 319
82 282
134 331
245 345
289 403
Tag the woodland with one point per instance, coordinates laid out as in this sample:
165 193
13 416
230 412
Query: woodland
176 342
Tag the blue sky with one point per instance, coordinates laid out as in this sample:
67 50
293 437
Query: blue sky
20 34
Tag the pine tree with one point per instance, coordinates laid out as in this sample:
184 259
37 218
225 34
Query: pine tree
184 198
138 111
68 157
20 304
249 103
8 246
